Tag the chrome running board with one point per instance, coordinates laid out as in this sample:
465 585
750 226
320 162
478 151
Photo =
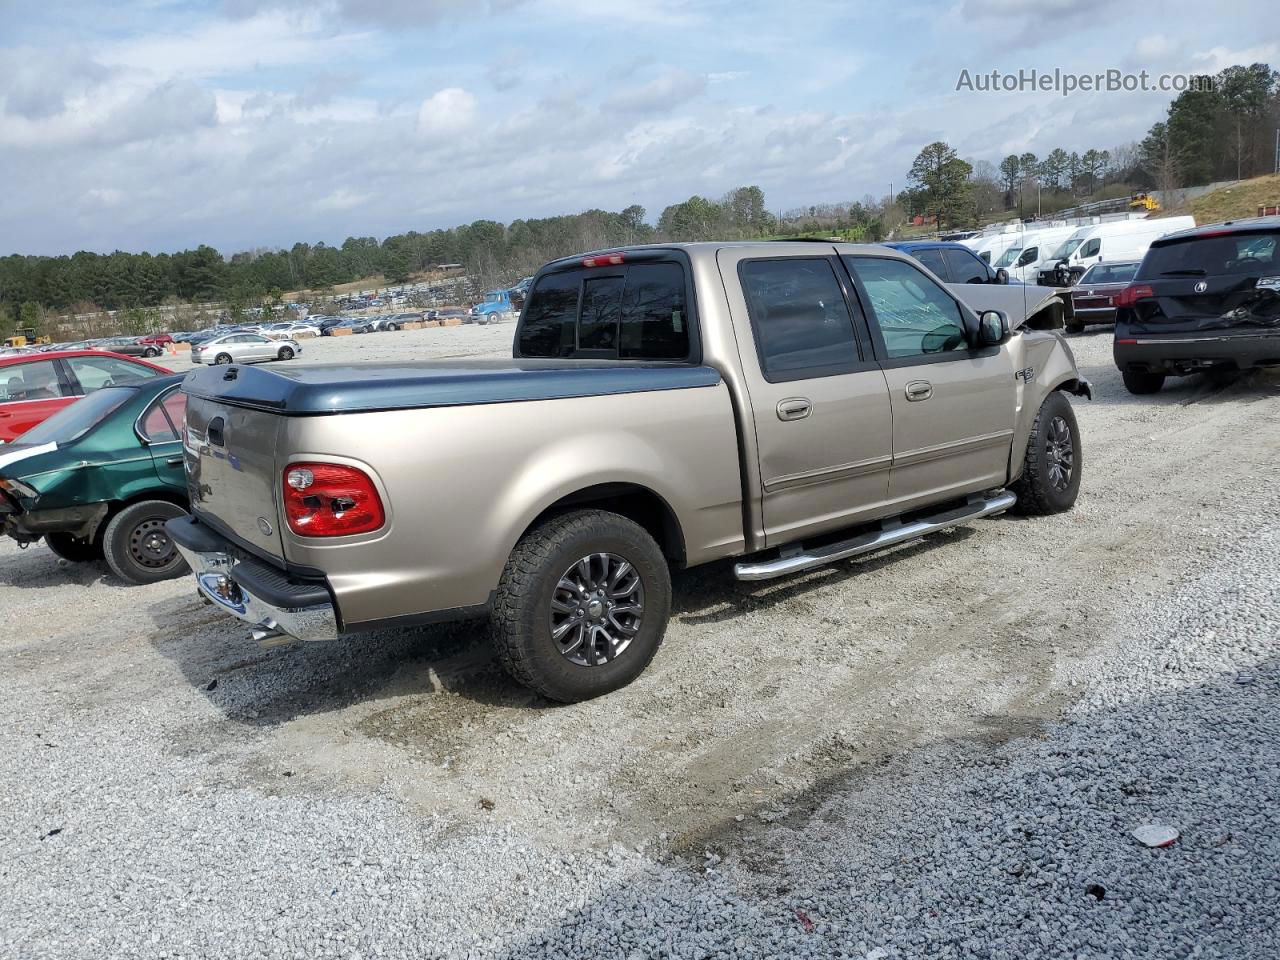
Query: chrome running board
890 533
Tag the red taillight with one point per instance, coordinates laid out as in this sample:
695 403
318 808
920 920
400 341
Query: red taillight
604 260
330 500
1131 294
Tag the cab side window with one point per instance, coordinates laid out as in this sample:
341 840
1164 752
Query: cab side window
915 316
1091 248
800 319
1029 255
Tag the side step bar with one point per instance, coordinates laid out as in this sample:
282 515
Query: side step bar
891 532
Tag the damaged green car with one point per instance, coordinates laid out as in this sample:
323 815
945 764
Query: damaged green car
98 480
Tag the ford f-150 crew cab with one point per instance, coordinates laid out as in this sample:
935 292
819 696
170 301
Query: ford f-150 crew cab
787 404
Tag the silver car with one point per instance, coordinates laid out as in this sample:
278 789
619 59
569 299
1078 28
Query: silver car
243 348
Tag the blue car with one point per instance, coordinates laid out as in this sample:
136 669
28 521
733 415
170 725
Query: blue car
952 262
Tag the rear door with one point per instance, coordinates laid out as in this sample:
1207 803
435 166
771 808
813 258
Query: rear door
953 406
818 399
30 393
160 428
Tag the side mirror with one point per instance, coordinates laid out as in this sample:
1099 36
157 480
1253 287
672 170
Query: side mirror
1002 276
993 328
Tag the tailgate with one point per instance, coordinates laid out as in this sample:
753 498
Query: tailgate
231 471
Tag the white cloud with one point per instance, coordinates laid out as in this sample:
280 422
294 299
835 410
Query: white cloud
448 111
1219 58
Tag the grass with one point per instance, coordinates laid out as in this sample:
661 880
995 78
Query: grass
1231 203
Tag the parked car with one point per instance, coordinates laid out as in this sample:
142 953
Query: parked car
1203 299
131 347
243 348
868 404
99 479
952 262
35 386
333 323
1114 240
449 313
1093 298
158 339
290 330
495 308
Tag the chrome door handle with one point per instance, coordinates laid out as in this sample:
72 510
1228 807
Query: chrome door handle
174 461
919 390
794 408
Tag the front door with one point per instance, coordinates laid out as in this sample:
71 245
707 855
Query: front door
953 406
818 398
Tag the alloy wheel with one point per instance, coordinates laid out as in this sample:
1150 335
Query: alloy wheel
596 609
1060 450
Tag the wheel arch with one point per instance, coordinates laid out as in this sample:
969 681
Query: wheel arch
633 501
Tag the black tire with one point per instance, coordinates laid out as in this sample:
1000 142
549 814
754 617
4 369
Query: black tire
136 547
1075 327
1042 488
391 327
520 624
149 354
73 549
286 353
222 358
1141 382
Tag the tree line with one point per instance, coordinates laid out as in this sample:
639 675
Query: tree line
1221 128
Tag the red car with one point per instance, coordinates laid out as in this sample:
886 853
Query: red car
159 339
34 386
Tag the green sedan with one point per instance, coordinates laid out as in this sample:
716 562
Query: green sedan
98 479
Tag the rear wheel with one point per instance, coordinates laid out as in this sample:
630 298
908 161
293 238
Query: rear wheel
222 358
286 353
73 549
137 546
582 605
1075 326
149 353
1050 480
1141 382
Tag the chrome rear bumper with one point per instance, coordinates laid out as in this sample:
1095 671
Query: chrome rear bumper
257 594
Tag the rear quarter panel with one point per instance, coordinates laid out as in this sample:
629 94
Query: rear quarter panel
462 484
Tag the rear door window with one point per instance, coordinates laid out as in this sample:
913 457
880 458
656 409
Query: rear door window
802 324
964 267
31 381
164 418
933 260
633 312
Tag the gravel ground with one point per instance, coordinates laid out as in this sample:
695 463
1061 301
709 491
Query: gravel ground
936 752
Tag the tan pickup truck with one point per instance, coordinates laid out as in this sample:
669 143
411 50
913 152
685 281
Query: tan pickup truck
787 404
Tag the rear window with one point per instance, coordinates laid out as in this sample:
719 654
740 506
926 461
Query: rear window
71 423
636 312
1110 273
1252 254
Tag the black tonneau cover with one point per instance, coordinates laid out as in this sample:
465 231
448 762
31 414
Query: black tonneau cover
317 390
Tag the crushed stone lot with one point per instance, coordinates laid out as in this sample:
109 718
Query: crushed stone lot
939 751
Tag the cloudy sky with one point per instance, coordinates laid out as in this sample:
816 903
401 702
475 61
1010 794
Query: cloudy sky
161 124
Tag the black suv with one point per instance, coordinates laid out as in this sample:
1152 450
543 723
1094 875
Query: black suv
1203 299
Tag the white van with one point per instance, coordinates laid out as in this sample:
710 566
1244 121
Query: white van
1025 260
1098 242
991 246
